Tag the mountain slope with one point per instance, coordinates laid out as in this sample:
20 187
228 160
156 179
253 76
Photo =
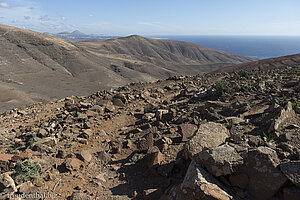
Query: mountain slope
37 67
266 64
178 56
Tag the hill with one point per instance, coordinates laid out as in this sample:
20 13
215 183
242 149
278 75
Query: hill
266 64
37 67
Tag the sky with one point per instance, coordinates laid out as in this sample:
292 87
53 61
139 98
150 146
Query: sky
155 17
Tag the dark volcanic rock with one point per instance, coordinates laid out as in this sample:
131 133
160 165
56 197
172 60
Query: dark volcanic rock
291 170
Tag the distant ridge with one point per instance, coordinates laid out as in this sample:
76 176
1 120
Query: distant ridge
266 64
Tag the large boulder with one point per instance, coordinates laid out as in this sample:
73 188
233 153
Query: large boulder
200 185
291 170
220 161
209 135
283 117
265 179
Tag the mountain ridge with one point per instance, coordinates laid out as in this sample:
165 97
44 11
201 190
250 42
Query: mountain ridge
49 67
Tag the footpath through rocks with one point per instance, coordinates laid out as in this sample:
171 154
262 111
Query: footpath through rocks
207 137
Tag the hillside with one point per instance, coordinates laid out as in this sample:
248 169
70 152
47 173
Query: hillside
266 64
221 136
176 56
36 67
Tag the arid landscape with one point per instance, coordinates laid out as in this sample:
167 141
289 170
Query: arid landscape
38 68
145 119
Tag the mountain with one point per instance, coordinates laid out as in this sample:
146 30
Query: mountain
77 36
172 57
266 64
37 67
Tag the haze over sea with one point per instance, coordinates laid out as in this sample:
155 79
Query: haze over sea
255 46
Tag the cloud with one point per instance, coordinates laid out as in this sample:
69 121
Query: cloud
27 17
4 5
156 24
44 18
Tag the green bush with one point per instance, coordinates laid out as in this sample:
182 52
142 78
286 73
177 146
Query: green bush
28 170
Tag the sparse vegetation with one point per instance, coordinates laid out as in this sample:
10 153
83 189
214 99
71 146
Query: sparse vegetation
269 138
27 170
221 87
32 140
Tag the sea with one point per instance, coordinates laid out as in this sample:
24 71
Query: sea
260 47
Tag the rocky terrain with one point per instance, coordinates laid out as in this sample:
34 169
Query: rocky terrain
217 136
36 67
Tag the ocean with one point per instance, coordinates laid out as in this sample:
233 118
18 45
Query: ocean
261 47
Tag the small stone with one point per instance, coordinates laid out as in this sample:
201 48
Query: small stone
187 131
73 164
80 196
134 194
25 187
7 184
118 102
128 144
145 143
84 155
155 157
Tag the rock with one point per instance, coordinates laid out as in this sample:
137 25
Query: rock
209 135
103 156
80 196
239 180
220 161
118 102
25 187
128 144
21 156
121 97
61 153
97 109
84 155
187 131
115 146
291 170
265 179
291 193
285 114
145 143
255 141
4 161
73 164
160 113
234 120
7 184
154 157
200 185
48 141
86 133
109 107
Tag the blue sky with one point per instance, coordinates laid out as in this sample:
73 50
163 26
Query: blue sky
155 17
